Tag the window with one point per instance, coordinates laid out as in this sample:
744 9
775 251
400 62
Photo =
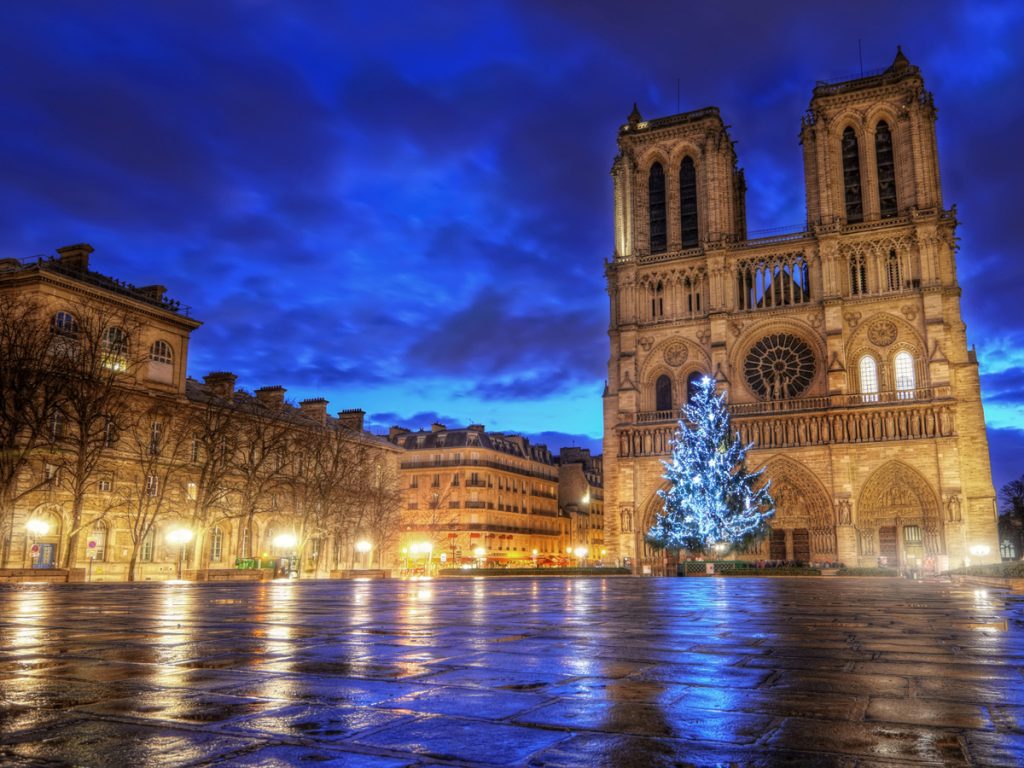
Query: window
663 393
892 271
64 324
152 486
216 544
115 348
109 433
688 202
656 208
51 473
56 426
194 455
886 171
455 479
414 482
868 378
658 301
105 484
245 546
191 491
436 482
148 546
904 369
858 276
98 537
155 431
691 384
161 352
1007 550
851 177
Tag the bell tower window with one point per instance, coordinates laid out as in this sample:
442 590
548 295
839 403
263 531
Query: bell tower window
886 171
663 393
851 178
892 272
656 206
688 203
658 301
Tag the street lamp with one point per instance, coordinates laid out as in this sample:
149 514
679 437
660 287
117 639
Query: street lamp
363 547
286 541
581 555
179 537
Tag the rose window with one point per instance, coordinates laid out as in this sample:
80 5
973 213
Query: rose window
779 366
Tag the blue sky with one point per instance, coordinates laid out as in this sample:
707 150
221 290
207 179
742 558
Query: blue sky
405 207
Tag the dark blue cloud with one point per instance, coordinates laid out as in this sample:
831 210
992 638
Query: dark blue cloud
405 206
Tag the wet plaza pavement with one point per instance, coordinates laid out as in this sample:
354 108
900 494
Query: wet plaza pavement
531 672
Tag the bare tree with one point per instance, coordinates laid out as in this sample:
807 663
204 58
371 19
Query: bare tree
257 466
30 397
101 356
383 507
155 464
213 432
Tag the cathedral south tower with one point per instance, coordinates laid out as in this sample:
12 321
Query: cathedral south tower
841 347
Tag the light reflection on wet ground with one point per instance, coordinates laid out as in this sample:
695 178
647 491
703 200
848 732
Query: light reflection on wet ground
539 673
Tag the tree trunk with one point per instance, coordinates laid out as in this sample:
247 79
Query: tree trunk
71 553
132 563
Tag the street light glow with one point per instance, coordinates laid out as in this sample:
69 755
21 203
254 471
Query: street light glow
479 551
179 536
285 541
363 546
37 527
581 552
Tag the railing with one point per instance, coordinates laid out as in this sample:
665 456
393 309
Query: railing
895 419
485 463
821 403
471 483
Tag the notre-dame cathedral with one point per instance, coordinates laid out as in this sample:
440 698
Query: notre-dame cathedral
841 347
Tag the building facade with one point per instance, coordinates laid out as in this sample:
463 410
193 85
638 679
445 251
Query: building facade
581 498
136 471
841 346
476 497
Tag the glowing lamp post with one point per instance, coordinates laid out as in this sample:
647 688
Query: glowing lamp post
581 555
179 537
363 547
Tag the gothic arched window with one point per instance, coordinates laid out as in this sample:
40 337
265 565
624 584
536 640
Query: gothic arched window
663 393
656 206
903 367
688 202
851 177
868 370
691 384
658 301
892 272
858 276
886 171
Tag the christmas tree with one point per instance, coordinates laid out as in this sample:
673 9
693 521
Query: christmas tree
713 498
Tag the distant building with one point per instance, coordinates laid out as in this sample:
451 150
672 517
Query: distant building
581 498
473 496
841 345
160 473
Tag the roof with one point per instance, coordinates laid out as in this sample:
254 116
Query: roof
513 445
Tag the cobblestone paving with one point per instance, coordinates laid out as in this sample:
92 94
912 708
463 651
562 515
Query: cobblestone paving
531 672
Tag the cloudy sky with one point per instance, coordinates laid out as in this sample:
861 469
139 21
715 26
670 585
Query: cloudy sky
405 207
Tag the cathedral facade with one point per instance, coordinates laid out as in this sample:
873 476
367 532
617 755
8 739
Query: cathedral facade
841 347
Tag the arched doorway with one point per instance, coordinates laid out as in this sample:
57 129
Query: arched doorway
43 533
803 527
648 559
898 519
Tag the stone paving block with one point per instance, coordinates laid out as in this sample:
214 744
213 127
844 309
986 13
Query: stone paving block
323 690
946 714
106 744
995 750
467 702
875 740
319 723
288 755
175 707
474 741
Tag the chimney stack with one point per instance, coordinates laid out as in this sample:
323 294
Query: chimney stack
438 427
272 395
394 432
221 383
352 419
75 256
314 408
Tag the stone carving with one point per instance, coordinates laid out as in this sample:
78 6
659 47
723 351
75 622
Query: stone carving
704 336
953 512
909 312
882 332
852 318
736 327
845 512
646 342
626 521
676 354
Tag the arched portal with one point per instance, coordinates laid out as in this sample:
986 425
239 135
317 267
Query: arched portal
898 518
803 527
